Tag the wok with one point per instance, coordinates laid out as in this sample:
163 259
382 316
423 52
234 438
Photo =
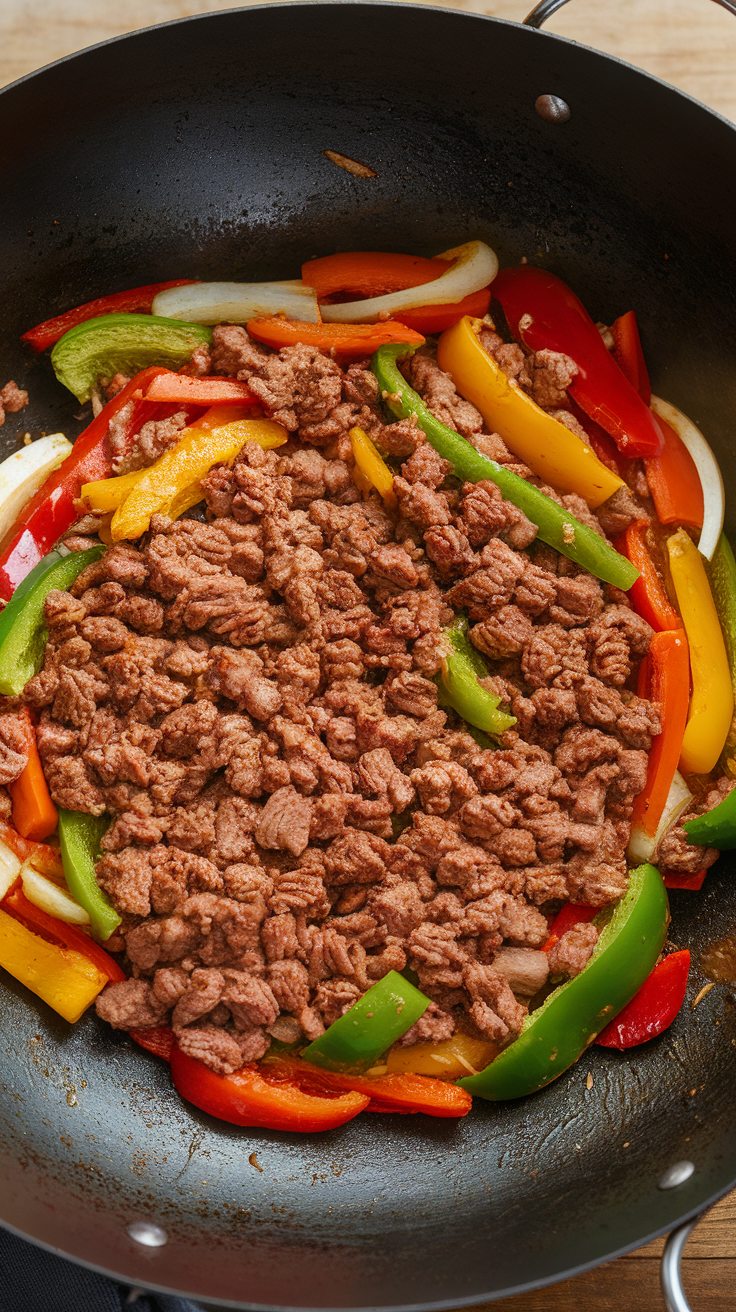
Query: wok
195 150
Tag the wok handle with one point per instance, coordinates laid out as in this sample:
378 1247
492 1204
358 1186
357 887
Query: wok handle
546 8
670 1273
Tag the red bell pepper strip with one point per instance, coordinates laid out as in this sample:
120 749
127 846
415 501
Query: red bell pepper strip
350 341
168 386
674 481
34 814
159 1041
397 1092
692 882
601 441
261 1096
542 312
669 685
350 275
136 301
653 1008
56 931
427 319
573 913
629 356
52 510
648 592
40 855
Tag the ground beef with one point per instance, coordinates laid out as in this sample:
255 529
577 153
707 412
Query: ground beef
675 852
12 399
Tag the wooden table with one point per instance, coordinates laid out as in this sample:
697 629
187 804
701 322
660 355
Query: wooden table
687 42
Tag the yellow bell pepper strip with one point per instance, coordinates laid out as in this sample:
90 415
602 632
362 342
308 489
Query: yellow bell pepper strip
541 441
447 1060
712 700
555 525
459 681
373 466
64 979
722 575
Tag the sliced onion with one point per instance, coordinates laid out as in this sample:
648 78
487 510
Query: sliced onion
50 898
237 302
9 869
642 845
23 473
474 266
708 471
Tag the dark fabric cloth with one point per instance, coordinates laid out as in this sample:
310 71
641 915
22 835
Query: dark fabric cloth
32 1280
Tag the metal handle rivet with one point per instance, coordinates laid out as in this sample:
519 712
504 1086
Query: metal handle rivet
553 109
147 1234
676 1174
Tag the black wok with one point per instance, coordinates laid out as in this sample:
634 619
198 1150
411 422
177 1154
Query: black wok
195 149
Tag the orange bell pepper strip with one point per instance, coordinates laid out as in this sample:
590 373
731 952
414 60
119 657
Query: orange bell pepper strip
352 274
170 386
60 932
674 481
159 1041
428 319
263 1096
629 356
34 814
669 685
349 341
648 592
403 1092
138 300
39 855
67 980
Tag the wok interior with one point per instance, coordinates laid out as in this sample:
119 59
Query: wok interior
195 150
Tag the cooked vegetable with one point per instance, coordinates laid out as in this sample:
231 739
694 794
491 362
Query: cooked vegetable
674 482
459 678
567 917
555 1035
46 895
22 625
648 592
471 267
544 314
122 343
629 356
10 867
368 273
541 441
692 882
34 814
350 341
707 466
555 525
372 465
669 687
716 828
168 386
678 798
653 1009
39 855
367 1030
428 319
137 301
393 1092
58 931
237 302
262 1096
159 1041
446 1060
66 980
80 836
23 473
722 575
712 701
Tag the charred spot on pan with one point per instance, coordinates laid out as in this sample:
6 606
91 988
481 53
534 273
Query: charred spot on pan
350 165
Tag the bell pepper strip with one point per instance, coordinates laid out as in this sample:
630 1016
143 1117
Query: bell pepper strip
51 898
181 466
722 575
159 1041
22 624
25 471
602 443
629 356
61 932
708 472
669 686
40 855
426 319
555 525
465 269
350 275
261 1096
447 1059
373 467
53 508
396 1092
555 1035
168 386
716 828
652 1010
459 678
712 701
122 343
567 917
356 1040
66 980
545 445
694 882
34 814
648 593
543 313
136 301
80 835
674 482
349 341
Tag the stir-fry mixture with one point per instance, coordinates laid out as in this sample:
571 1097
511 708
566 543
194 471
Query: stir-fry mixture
367 677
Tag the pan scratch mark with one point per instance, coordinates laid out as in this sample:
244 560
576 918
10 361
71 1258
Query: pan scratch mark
196 1143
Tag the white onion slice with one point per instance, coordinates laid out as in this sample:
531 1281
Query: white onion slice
23 473
9 869
50 898
642 845
707 467
474 266
237 302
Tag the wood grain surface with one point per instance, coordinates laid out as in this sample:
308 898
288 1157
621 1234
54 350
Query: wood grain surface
692 44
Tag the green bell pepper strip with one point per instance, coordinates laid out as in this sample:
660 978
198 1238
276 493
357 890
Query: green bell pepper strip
721 572
23 631
458 680
122 343
554 1036
356 1040
717 828
555 525
79 838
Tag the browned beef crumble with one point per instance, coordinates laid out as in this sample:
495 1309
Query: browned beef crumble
252 699
12 399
